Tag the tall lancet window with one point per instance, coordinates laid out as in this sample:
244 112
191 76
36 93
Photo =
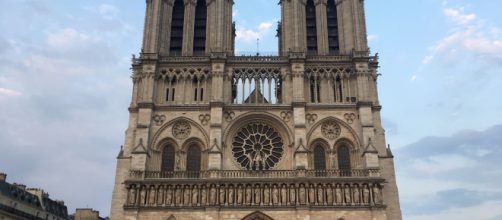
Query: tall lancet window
199 42
167 158
177 28
193 161
319 158
333 40
311 28
344 160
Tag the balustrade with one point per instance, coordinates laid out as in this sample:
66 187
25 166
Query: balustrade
243 174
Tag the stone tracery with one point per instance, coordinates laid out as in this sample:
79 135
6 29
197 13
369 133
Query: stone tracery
257 146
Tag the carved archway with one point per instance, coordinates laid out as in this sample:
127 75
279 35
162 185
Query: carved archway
257 216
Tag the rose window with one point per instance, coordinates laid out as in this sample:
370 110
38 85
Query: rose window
331 130
257 146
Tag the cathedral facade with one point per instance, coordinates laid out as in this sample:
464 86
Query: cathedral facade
217 136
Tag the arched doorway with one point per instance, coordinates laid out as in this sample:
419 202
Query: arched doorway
257 216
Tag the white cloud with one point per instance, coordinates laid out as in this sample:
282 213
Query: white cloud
9 92
249 35
485 211
458 16
373 37
108 11
66 37
469 34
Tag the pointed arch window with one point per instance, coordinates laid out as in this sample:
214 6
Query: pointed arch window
319 158
167 158
193 161
310 15
344 160
178 19
333 39
199 42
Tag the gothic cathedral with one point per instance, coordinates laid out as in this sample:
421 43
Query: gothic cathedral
217 136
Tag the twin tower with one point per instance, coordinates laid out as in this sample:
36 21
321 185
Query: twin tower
214 136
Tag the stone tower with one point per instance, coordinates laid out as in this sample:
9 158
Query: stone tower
290 137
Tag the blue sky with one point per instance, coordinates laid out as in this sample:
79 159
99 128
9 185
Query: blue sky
65 88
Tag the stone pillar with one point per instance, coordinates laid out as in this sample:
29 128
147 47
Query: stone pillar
322 27
153 28
165 30
3 177
188 27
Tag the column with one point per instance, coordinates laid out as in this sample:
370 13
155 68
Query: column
188 27
322 27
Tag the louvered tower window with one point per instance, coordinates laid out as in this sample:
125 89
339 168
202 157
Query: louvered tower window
193 161
344 160
167 159
177 28
311 28
199 42
333 40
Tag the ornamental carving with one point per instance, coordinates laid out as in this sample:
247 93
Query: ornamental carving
181 129
286 116
159 119
204 119
257 146
311 118
280 194
350 117
330 130
229 116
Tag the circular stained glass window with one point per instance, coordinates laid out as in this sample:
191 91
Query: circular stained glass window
257 146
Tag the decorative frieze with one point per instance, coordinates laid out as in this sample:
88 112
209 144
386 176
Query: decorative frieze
254 194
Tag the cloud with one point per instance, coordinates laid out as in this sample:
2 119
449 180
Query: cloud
441 175
8 92
373 37
66 37
108 11
249 35
468 34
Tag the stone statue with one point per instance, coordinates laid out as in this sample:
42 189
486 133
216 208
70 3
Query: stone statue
301 194
222 195
366 195
195 196
142 195
151 195
338 193
311 194
239 195
230 195
132 195
266 195
284 195
177 195
257 195
212 195
356 195
169 196
275 195
203 195
329 195
320 195
292 195
186 196
377 196
249 194
346 192
160 198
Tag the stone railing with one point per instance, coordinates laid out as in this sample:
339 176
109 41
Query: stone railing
254 194
247 174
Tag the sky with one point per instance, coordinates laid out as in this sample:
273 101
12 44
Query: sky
65 87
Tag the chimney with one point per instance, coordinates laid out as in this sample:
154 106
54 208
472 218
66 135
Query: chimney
3 177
